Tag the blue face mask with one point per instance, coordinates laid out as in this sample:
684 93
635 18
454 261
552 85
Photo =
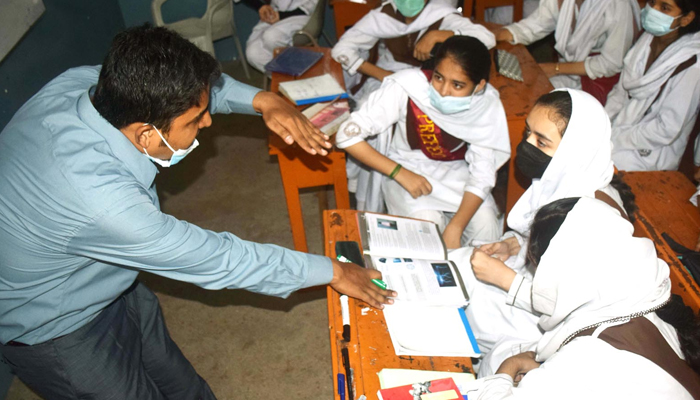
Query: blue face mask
177 154
657 23
409 8
450 104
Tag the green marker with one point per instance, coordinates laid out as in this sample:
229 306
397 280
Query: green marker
379 283
342 259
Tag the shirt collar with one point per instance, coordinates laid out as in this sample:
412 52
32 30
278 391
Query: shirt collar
141 167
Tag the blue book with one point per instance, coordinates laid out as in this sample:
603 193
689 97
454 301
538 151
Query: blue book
293 61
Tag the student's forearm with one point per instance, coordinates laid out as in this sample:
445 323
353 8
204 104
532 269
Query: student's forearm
372 70
370 157
572 68
467 209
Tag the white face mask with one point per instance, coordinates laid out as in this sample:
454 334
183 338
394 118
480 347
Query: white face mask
177 154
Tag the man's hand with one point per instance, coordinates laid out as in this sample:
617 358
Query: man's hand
504 35
502 250
549 69
415 184
452 235
355 281
425 45
491 270
268 14
519 365
289 124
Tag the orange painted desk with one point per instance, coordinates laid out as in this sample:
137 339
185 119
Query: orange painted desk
662 197
302 170
370 347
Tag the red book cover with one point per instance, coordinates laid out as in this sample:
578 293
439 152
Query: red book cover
439 389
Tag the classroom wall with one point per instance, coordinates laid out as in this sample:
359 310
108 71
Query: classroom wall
69 34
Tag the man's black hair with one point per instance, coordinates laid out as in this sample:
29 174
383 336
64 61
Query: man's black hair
152 75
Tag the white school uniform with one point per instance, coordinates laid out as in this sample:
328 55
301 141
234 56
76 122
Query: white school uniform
483 126
652 135
602 26
265 38
504 15
353 47
575 288
581 166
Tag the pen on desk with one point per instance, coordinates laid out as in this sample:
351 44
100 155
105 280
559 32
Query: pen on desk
348 371
379 283
345 311
341 386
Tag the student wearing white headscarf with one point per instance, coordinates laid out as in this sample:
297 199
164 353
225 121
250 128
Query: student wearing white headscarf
592 37
610 327
654 106
567 152
279 21
450 136
397 35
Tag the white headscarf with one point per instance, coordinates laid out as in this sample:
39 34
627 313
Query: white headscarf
478 125
577 45
594 270
643 87
581 165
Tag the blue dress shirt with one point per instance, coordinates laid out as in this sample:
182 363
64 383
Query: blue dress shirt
79 218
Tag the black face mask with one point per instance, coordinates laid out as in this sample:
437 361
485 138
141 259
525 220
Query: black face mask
531 161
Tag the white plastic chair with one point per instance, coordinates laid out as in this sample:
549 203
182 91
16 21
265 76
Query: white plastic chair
216 23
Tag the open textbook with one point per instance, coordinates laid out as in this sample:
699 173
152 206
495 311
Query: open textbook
427 318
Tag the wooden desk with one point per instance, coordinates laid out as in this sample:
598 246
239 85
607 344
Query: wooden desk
662 197
348 12
302 170
370 346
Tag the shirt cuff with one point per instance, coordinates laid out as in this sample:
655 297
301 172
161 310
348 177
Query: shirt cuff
512 31
477 191
320 271
514 288
352 69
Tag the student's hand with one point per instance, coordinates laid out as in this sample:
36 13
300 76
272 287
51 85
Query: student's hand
355 281
504 35
502 250
518 365
268 14
549 69
415 184
491 270
289 124
426 43
452 235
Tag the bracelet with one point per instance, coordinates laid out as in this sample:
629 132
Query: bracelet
395 172
556 68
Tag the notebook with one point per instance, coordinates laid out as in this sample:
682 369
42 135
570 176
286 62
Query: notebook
313 90
293 61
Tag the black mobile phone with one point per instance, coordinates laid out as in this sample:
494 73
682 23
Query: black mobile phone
350 250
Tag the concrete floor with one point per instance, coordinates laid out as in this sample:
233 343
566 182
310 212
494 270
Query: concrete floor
245 345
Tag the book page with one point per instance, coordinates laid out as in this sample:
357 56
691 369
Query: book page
401 237
310 88
422 281
430 331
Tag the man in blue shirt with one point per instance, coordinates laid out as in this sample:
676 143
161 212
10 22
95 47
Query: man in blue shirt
79 218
